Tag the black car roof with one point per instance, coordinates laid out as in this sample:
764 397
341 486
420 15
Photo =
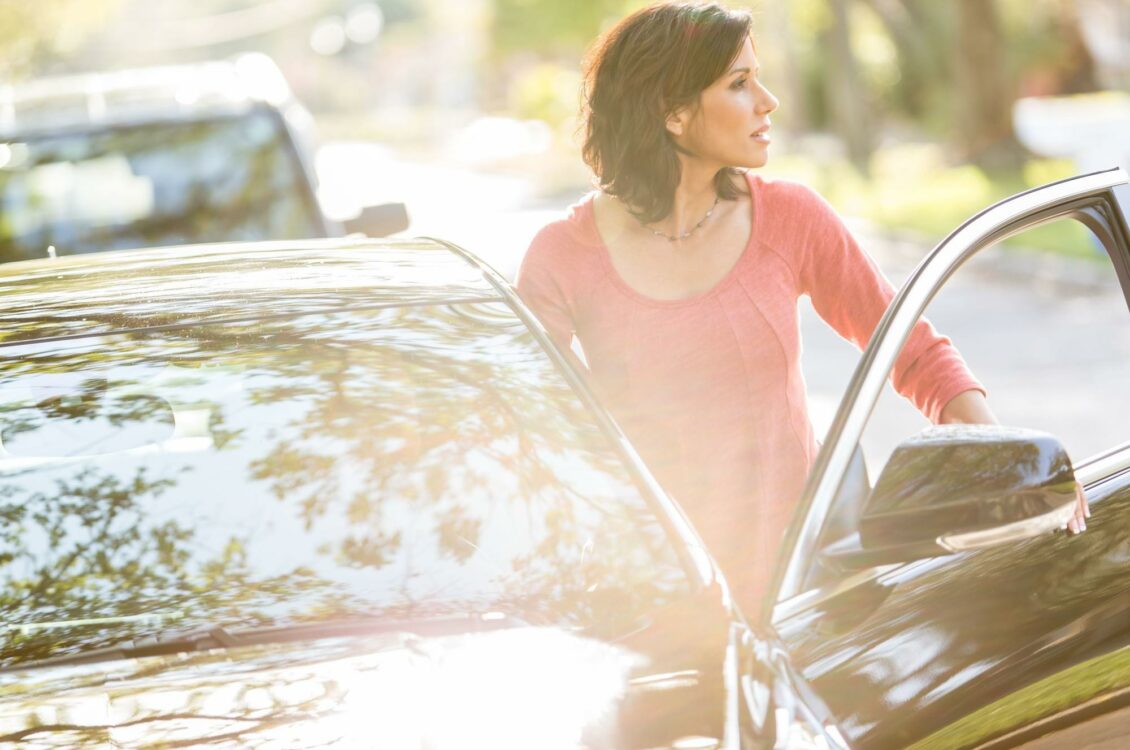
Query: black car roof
99 293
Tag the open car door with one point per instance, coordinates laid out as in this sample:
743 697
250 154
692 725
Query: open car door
936 609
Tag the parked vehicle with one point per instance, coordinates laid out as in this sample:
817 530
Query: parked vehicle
211 152
346 493
321 492
932 611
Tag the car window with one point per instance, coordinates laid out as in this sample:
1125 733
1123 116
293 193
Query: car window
156 183
1048 337
412 462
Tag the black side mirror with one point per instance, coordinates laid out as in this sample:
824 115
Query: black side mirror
379 221
953 488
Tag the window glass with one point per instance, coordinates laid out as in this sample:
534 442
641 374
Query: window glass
157 183
1049 338
415 463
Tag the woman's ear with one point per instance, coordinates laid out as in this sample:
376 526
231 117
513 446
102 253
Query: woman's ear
676 121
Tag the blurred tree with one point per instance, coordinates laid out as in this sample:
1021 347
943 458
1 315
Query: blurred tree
984 88
551 26
783 50
47 29
1050 53
961 65
946 71
849 99
918 32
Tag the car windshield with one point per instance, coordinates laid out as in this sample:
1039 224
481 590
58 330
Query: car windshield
156 183
412 463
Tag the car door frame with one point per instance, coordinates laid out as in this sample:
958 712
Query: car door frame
1101 201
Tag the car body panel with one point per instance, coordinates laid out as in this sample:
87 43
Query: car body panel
1109 190
944 652
195 284
925 649
105 658
918 652
479 684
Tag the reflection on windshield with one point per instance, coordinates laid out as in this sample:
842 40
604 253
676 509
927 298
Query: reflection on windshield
158 183
414 463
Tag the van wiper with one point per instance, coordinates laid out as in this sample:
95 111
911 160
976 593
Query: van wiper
220 637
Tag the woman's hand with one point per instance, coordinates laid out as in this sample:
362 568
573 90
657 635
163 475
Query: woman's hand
1078 524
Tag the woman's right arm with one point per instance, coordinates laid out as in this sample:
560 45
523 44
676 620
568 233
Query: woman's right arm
849 291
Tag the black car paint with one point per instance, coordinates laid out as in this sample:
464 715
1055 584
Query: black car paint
937 653
356 688
687 650
948 652
930 646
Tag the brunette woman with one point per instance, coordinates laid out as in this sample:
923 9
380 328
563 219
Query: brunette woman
680 278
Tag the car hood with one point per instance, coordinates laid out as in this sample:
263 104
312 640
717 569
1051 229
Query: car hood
525 687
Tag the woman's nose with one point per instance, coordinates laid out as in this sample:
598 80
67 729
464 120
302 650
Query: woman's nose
766 103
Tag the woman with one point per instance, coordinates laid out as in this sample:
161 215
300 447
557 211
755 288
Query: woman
680 279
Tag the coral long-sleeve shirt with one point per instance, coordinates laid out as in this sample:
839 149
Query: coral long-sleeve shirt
709 388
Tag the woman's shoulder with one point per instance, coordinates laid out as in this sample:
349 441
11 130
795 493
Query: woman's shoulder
793 216
795 221
568 239
784 195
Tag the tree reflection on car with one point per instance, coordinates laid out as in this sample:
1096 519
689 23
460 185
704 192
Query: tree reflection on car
362 463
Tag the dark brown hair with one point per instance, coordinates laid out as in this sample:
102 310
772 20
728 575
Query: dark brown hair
649 65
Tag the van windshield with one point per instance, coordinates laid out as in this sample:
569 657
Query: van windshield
234 177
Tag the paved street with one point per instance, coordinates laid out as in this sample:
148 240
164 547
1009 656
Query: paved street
1049 338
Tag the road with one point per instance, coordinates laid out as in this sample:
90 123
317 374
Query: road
1051 341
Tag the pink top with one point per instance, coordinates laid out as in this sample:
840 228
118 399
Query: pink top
709 388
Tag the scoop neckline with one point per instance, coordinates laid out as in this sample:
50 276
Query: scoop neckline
726 279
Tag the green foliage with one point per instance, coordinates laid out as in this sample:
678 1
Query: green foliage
551 26
1106 675
907 56
912 188
547 92
31 31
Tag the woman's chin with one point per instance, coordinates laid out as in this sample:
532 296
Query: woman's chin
755 161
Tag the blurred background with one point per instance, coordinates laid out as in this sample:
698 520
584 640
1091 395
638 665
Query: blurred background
908 115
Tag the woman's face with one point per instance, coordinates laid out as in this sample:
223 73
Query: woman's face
730 125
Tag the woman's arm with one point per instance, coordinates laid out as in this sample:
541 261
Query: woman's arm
850 293
967 407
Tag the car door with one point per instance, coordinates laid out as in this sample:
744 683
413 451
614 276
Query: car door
996 646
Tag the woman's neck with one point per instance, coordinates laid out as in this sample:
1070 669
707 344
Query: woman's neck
691 202
695 195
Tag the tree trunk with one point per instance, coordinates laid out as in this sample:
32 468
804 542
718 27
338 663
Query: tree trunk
1079 73
982 115
780 26
923 57
849 98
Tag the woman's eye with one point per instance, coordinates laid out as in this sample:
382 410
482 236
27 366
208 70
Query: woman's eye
738 84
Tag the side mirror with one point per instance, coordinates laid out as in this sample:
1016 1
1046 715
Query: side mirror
379 221
953 488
